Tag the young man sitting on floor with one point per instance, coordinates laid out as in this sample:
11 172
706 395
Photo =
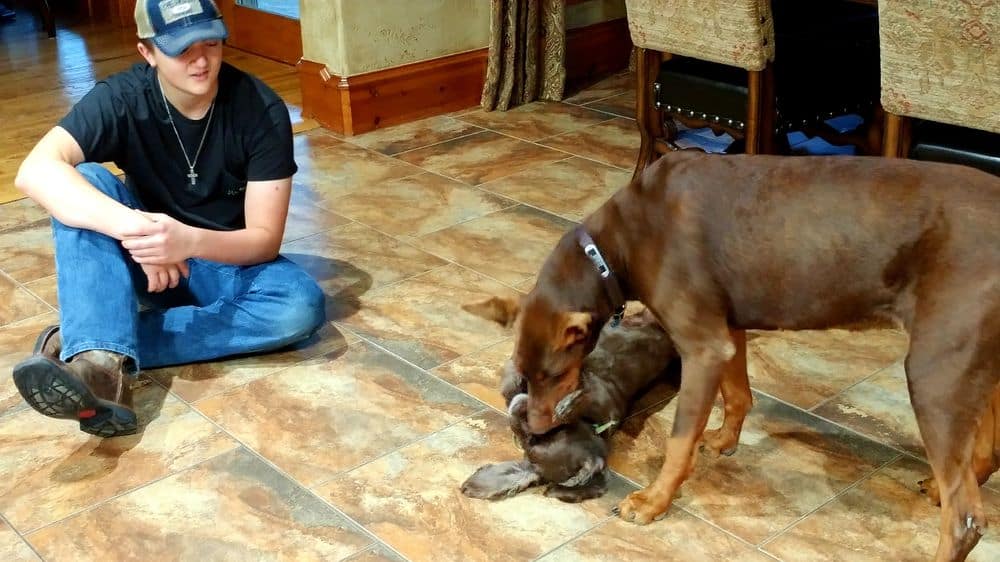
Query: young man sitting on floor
193 233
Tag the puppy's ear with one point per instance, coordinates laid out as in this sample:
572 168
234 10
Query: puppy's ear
574 328
502 310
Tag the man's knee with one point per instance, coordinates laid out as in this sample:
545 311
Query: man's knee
303 311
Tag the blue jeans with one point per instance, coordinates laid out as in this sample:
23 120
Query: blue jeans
219 311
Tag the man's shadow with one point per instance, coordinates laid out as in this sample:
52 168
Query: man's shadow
343 284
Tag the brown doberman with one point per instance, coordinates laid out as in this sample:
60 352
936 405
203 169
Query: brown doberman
717 244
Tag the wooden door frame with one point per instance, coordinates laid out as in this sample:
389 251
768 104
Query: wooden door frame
262 33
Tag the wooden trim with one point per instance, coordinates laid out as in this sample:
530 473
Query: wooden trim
321 95
595 51
265 34
357 104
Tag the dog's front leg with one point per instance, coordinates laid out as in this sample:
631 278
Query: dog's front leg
701 372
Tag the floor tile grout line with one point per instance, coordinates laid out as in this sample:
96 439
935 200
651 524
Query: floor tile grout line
436 143
4 520
28 319
260 457
428 372
336 324
449 261
606 520
123 493
834 423
842 392
564 151
867 476
40 299
347 471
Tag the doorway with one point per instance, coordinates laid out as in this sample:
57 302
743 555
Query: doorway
269 28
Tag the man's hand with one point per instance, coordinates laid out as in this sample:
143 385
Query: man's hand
162 277
166 241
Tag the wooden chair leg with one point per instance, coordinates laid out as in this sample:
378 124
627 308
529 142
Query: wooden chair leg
896 141
647 116
48 18
755 111
769 113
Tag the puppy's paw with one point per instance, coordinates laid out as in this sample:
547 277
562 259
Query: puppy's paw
930 489
640 508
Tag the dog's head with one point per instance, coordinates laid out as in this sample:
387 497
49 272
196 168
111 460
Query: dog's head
549 351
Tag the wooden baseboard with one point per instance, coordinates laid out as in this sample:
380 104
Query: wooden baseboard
362 103
595 51
365 102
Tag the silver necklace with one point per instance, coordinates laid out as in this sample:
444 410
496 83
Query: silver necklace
192 175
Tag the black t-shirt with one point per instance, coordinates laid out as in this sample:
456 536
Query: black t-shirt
123 120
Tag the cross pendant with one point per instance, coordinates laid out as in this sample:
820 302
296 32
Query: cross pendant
192 175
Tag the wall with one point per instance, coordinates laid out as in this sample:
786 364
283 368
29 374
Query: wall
353 37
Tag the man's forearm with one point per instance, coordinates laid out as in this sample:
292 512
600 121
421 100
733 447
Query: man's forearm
70 198
249 246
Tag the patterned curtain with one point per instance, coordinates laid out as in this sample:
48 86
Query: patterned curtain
521 33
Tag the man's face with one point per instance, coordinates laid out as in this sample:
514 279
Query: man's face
194 72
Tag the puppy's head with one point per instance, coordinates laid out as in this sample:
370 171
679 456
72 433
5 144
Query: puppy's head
569 455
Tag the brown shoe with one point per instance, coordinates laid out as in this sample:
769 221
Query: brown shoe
91 388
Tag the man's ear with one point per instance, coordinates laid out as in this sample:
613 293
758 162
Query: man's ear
502 310
574 328
146 53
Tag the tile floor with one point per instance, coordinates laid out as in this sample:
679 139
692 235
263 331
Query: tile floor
354 444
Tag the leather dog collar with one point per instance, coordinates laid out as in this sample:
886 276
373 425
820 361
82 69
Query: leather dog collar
610 281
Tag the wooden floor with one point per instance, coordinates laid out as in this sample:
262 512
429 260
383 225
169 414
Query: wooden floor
41 78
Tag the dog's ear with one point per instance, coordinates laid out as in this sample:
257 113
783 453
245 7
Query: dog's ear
574 328
502 310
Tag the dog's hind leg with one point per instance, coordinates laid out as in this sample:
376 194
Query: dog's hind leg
985 452
952 370
736 400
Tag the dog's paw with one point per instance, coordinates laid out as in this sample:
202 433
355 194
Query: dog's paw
930 489
641 509
716 443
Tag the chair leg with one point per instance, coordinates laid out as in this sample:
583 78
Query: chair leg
768 113
647 117
755 111
896 141
48 18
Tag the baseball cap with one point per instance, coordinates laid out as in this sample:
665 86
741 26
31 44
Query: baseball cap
174 25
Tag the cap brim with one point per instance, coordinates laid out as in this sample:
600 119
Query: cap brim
175 43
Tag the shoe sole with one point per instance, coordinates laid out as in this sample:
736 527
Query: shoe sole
53 392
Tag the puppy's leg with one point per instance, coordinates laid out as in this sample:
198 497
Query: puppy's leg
952 367
985 451
703 358
736 399
593 488
501 480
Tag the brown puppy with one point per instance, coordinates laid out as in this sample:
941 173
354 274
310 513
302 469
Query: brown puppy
572 457
714 245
